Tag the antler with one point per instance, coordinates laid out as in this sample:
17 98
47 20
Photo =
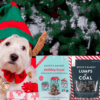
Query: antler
39 44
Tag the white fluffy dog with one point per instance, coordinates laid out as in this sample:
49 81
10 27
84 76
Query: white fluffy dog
15 57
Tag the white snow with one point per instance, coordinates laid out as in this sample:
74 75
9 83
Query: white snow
54 49
47 4
34 29
63 23
84 1
49 39
22 13
65 12
68 3
39 26
76 9
76 12
91 30
89 39
34 9
73 25
41 2
4 1
97 52
93 26
72 19
98 31
82 23
52 21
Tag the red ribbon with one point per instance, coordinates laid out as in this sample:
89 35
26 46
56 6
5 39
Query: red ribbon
18 77
30 87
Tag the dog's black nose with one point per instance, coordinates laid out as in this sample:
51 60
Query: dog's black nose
14 57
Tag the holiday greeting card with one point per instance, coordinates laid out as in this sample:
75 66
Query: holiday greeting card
53 77
84 77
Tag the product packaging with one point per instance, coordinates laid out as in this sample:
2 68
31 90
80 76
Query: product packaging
53 77
84 77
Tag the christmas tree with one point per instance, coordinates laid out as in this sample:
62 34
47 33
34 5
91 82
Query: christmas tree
72 25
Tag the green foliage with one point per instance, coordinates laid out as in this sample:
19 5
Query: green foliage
37 35
82 50
59 2
63 50
45 2
56 29
70 12
46 48
63 39
98 8
97 42
63 15
47 17
98 48
69 44
79 32
17 1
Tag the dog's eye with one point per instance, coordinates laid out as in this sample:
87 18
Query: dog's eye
7 43
23 48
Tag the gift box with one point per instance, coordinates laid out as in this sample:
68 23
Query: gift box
20 95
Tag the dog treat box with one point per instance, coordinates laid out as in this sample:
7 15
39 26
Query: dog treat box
53 77
84 77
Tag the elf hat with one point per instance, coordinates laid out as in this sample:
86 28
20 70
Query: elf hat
12 23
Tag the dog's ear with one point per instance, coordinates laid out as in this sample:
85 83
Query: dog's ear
39 45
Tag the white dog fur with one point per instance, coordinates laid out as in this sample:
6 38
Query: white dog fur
23 62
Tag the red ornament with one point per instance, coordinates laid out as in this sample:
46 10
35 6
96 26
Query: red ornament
41 78
56 7
30 87
54 14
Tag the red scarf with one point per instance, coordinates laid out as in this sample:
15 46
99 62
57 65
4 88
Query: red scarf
18 77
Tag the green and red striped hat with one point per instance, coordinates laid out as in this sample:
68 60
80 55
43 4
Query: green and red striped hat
12 23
